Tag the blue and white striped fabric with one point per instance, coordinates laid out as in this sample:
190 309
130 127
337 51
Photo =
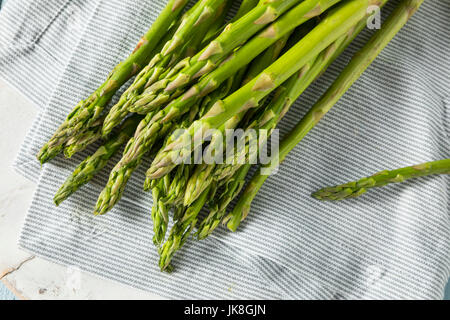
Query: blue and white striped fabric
393 243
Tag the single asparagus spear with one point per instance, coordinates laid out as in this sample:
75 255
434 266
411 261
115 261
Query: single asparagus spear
160 211
380 179
89 110
233 36
81 141
175 192
245 7
266 38
132 157
181 231
349 75
187 37
93 164
336 24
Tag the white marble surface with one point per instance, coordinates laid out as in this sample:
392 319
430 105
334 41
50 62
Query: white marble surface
27 276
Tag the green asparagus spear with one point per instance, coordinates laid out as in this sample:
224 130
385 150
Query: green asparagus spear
350 74
132 157
380 179
89 110
245 7
93 164
81 141
175 192
336 24
181 231
160 210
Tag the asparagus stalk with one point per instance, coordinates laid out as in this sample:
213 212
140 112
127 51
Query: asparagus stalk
350 74
206 60
89 110
181 231
266 38
380 179
186 38
178 184
93 164
81 141
160 211
245 7
337 23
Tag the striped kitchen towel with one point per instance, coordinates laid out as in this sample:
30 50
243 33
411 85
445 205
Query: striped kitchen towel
391 243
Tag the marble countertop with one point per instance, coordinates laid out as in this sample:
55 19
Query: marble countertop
27 276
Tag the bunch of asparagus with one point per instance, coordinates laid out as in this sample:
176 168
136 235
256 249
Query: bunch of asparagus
196 78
